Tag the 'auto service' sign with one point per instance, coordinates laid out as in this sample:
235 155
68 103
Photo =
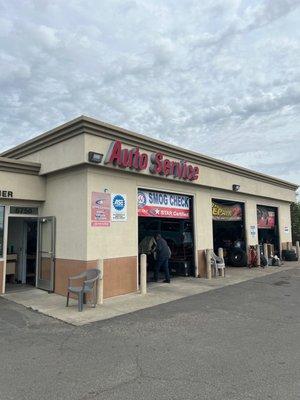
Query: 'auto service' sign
163 205
156 164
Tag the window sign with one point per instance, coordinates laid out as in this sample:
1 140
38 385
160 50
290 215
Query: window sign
24 210
1 229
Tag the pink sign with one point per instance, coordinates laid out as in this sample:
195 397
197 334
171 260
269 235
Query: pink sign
163 205
266 218
100 209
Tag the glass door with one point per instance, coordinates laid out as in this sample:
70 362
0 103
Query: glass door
46 253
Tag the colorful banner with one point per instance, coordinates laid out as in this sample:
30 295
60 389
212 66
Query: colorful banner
221 212
100 209
265 218
163 205
118 207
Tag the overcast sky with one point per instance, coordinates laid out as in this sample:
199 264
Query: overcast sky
219 77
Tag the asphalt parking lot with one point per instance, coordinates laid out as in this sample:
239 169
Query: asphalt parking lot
238 342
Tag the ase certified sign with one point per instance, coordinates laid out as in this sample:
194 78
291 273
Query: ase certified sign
118 207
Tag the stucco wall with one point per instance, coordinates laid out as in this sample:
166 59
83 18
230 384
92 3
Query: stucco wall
67 201
23 186
121 238
60 155
209 177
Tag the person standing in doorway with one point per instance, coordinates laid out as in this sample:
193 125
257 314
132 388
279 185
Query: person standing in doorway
163 253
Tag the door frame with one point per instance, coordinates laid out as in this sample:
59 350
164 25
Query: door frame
40 221
22 262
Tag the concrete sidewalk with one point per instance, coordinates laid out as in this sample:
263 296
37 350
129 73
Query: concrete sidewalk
158 293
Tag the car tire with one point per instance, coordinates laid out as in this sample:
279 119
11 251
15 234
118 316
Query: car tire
238 258
289 255
263 261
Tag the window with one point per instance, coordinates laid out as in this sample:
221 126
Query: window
1 229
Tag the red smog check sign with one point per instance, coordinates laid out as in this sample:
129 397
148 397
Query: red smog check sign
163 205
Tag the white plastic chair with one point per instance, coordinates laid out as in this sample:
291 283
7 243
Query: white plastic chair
218 264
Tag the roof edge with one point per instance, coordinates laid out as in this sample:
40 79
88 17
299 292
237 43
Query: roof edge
17 166
84 124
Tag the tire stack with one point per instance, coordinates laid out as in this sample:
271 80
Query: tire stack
289 255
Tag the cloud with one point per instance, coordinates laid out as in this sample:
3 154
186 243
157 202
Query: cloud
220 77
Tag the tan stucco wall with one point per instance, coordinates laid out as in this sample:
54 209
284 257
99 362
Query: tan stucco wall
23 186
60 155
75 150
67 201
68 197
208 177
121 238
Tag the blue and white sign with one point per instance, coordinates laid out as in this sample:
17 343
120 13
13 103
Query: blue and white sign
118 207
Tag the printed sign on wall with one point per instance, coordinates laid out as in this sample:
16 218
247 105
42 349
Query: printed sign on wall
118 207
163 205
100 209
221 212
253 230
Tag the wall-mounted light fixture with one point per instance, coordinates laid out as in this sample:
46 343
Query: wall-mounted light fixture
95 158
235 188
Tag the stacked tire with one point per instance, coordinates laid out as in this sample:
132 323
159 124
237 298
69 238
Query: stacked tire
289 255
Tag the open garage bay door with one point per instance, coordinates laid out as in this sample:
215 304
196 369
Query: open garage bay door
171 215
229 231
267 224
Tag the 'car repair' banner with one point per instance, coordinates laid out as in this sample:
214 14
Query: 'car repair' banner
221 212
163 205
265 218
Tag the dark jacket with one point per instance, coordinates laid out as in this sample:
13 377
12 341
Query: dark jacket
162 250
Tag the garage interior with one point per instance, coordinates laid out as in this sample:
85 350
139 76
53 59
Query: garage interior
267 224
229 231
178 233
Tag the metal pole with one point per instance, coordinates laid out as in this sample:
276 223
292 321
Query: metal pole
100 281
143 266
221 255
208 263
298 249
257 248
